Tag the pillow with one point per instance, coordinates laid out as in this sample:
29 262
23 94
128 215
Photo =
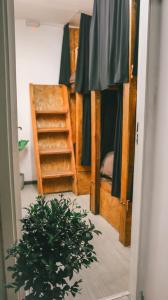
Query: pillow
107 165
72 78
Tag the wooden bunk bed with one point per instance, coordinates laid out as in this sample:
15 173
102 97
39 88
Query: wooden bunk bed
116 211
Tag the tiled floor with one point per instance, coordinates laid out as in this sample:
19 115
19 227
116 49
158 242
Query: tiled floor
111 274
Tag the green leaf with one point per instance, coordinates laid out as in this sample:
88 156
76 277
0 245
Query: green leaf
22 144
9 286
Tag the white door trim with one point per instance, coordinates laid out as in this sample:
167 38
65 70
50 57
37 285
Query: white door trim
139 149
9 164
147 87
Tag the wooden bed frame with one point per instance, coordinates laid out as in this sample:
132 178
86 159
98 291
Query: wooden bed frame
117 212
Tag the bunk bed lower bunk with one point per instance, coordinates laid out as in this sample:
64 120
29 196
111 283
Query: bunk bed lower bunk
115 208
109 205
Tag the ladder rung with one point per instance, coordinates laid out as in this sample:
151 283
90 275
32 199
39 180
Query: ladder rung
52 112
51 175
46 130
55 152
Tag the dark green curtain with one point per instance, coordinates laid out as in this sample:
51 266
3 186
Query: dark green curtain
135 70
65 71
86 145
109 65
109 44
116 186
111 132
109 107
82 86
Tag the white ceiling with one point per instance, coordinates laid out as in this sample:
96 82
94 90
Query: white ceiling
52 11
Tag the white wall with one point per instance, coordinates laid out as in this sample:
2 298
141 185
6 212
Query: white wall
38 53
156 286
153 264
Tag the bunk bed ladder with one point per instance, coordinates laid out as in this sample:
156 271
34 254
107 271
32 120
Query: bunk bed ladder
53 146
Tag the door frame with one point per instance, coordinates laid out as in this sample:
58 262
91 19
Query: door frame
149 48
139 147
10 208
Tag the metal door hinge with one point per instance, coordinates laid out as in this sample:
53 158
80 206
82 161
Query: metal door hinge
137 133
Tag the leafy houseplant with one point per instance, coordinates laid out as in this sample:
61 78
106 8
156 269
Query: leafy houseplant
56 244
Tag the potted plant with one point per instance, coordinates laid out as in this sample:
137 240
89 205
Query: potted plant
21 146
55 245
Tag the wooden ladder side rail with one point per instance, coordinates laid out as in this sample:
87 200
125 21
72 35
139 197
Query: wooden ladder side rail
70 142
36 145
96 151
128 139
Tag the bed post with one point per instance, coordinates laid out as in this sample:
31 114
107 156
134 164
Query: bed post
83 172
128 139
95 151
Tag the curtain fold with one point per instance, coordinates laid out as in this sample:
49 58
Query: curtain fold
82 70
109 44
65 71
109 107
82 86
86 130
135 70
116 185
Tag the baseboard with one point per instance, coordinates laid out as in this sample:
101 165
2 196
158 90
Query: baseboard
30 182
117 296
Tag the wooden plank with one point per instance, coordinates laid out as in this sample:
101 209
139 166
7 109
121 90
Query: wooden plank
52 175
52 141
50 112
35 137
48 98
72 106
83 178
83 172
55 152
109 206
70 138
95 151
74 44
52 130
59 185
128 139
51 121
